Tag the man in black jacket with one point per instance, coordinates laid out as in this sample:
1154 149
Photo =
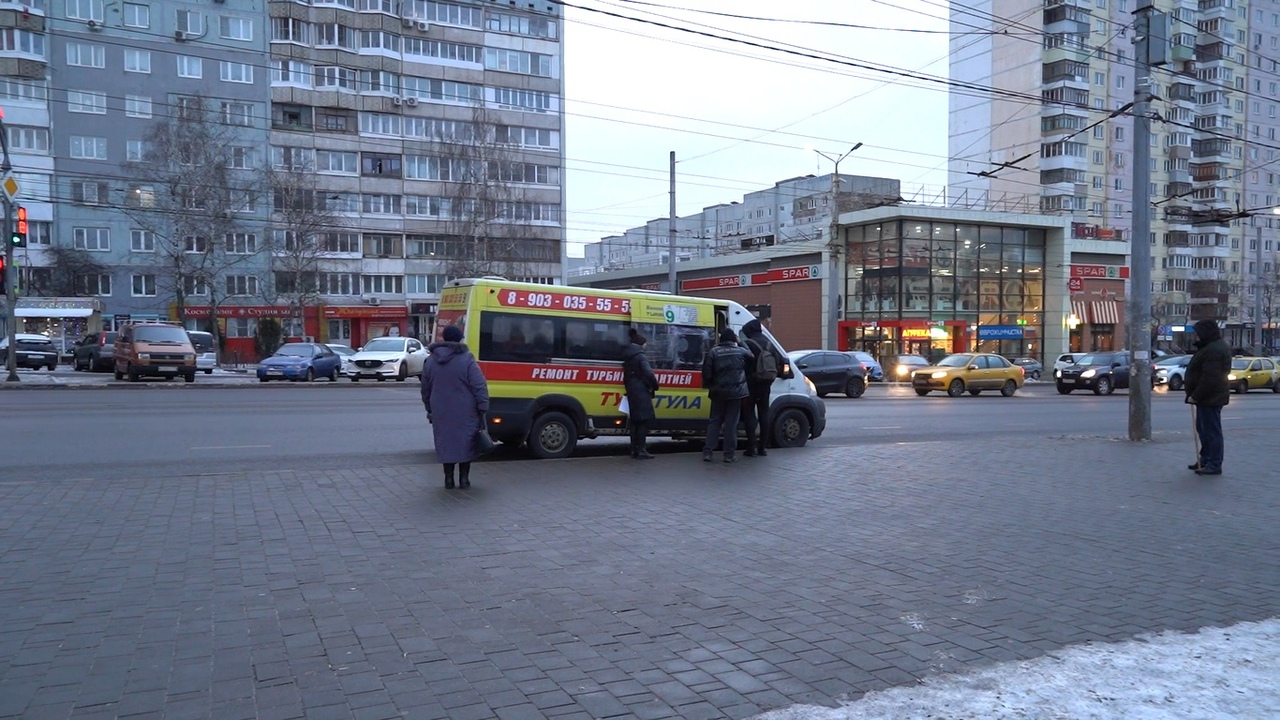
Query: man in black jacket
724 374
1209 390
755 407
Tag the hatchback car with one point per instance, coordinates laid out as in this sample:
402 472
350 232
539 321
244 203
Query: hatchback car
1101 372
1171 371
300 361
899 367
872 367
31 351
1031 367
94 352
969 372
1254 373
206 350
345 353
387 358
831 372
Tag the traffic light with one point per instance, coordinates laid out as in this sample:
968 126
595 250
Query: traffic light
19 238
4 277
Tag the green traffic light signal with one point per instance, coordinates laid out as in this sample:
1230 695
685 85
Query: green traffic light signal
19 237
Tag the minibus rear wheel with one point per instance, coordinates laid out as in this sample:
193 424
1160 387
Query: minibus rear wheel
553 435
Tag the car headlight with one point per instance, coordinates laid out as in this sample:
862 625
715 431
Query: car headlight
1088 373
1057 373
1232 376
902 369
188 356
813 389
938 375
144 356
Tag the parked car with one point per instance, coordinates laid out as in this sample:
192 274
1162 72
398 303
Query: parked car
1254 373
94 352
300 361
1031 367
206 350
969 372
31 351
899 367
1066 360
872 367
387 357
831 372
153 348
1101 372
345 353
1171 371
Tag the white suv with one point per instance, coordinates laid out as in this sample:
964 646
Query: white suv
387 358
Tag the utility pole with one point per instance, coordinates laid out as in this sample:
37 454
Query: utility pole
1151 48
671 232
1257 293
834 252
11 273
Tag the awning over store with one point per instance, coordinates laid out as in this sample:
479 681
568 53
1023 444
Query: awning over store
1078 308
1106 312
47 313
57 307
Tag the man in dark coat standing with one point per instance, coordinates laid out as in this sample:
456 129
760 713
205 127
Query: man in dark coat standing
724 374
640 384
755 407
1208 389
454 392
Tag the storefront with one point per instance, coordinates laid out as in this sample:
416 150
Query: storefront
63 320
1097 319
355 325
238 326
422 320
923 287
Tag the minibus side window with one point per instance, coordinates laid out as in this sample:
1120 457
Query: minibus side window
595 339
510 337
675 347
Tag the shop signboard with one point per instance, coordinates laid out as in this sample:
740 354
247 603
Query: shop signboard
999 332
768 277
1106 272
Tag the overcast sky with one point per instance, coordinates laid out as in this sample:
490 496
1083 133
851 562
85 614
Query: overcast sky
741 118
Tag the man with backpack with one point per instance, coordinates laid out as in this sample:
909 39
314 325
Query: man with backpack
763 370
724 374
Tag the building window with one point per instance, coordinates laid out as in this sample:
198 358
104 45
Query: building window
424 284
235 28
138 106
144 285
137 16
142 241
134 150
196 286
236 72
383 165
291 158
242 243
375 204
237 113
383 246
516 61
382 284
86 55
86 101
332 161
339 284
28 139
95 284
290 30
95 239
85 10
242 285
241 158
22 41
88 192
190 22
291 72
84 147
195 244
338 242
190 67
138 61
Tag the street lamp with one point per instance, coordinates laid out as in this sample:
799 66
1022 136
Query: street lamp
833 251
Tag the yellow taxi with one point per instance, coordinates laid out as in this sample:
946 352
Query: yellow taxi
969 372
1254 373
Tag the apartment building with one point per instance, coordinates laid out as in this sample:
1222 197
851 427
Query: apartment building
1065 134
364 150
791 211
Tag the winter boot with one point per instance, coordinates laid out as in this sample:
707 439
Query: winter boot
448 478
642 453
761 451
464 475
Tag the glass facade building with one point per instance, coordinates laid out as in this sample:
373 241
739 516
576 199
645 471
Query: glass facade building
915 286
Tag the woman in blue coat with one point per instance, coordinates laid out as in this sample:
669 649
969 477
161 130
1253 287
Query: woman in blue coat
454 392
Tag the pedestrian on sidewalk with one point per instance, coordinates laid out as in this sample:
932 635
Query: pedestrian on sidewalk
760 377
641 385
724 374
454 390
1208 389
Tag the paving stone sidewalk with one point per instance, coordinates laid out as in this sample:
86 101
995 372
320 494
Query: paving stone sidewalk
603 587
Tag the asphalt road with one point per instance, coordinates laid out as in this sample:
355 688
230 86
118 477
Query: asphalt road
112 433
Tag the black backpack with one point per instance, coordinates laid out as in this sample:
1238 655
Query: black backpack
766 367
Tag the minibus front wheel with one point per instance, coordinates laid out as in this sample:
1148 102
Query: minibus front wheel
553 435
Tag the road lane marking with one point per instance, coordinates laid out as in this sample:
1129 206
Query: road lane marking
883 427
230 447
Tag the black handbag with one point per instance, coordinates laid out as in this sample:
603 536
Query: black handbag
484 443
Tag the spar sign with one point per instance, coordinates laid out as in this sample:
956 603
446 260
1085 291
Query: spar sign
768 277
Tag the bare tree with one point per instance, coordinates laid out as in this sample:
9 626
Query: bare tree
301 218
66 273
190 197
1270 290
488 212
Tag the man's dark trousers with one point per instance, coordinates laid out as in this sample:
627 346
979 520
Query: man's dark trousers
724 418
1209 428
755 411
